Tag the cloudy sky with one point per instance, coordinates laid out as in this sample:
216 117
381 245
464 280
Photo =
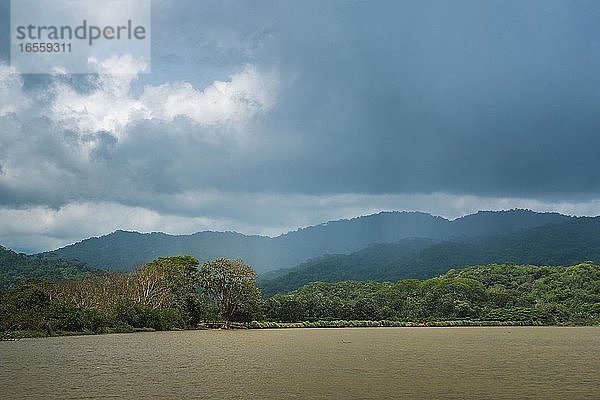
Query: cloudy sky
263 116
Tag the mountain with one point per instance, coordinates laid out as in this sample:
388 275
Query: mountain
574 241
485 223
18 267
566 243
370 263
123 250
345 236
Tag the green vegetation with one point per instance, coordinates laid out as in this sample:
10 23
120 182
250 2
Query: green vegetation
16 268
566 243
379 324
124 251
388 246
173 293
167 293
230 285
498 293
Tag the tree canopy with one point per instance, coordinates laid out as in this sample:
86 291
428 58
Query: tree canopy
172 293
166 281
231 285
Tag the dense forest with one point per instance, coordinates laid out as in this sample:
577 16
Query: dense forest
566 243
178 293
18 267
546 295
164 294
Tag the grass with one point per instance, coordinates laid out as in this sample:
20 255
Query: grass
21 334
381 323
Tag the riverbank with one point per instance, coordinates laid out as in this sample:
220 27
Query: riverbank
29 333
383 323
21 334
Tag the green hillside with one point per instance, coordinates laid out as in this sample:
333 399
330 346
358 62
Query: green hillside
527 294
16 268
565 243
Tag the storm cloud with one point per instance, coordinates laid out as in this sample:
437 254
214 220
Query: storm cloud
264 116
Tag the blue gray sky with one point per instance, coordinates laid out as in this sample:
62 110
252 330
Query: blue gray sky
264 116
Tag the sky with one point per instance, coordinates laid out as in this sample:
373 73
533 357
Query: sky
265 116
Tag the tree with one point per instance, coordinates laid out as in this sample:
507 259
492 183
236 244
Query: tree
97 290
231 285
366 309
286 308
24 307
166 281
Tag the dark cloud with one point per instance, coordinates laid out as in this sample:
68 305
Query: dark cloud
378 98
489 98
455 98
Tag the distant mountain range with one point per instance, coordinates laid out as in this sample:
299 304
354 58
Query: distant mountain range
383 246
123 250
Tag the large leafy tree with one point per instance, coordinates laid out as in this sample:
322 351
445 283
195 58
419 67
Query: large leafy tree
166 281
231 285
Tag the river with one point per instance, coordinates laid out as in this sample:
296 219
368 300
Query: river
353 363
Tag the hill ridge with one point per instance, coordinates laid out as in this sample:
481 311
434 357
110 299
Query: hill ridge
576 240
124 250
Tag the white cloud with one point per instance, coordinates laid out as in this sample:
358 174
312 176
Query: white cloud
236 101
41 228
111 107
108 108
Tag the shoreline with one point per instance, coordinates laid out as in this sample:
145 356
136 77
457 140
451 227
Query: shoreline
26 334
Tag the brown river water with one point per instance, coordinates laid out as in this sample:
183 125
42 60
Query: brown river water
353 363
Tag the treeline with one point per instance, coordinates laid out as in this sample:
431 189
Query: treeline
168 293
530 294
178 293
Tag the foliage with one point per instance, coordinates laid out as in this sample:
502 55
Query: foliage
570 242
166 281
124 251
492 294
521 294
380 324
517 236
16 268
161 295
231 285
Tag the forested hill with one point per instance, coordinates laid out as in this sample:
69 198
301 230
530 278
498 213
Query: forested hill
517 293
567 243
123 250
15 268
